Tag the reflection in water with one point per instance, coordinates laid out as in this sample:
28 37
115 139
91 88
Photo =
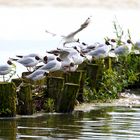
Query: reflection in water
8 129
100 123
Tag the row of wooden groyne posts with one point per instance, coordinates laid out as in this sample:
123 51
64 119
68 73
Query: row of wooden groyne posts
100 80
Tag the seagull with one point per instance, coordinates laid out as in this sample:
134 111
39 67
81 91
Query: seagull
37 75
70 37
28 55
137 47
52 66
100 52
123 49
49 57
67 61
28 62
7 68
71 57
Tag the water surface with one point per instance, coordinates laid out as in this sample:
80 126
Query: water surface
108 122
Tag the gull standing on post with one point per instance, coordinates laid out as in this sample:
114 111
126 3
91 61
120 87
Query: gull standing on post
52 66
70 37
7 68
37 75
100 52
28 62
123 49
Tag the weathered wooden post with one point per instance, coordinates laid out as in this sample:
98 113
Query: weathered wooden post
25 104
55 87
68 99
108 62
8 99
56 74
73 77
80 97
76 77
92 72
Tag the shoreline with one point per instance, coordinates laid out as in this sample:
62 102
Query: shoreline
126 100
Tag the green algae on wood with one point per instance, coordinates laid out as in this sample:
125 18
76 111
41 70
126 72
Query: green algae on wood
80 96
92 72
56 74
8 99
68 98
54 89
73 77
25 103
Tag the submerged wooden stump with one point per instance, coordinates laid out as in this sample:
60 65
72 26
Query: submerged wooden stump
68 99
54 89
8 98
25 104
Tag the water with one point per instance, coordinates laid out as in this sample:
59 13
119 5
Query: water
102 122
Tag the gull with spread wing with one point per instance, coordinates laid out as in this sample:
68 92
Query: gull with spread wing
70 37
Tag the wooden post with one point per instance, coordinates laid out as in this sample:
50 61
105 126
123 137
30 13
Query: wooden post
8 99
73 77
25 105
54 89
80 97
92 72
56 74
68 98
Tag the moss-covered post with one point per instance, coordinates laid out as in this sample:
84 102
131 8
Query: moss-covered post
80 97
8 99
54 90
73 77
25 104
68 98
109 61
56 74
92 72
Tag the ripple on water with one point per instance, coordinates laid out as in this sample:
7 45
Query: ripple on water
101 123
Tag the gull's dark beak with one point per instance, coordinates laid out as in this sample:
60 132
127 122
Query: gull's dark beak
78 40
